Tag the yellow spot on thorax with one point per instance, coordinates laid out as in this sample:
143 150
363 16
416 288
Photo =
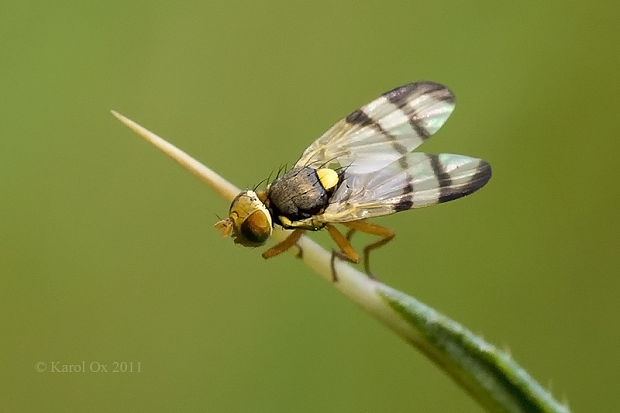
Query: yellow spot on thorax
328 178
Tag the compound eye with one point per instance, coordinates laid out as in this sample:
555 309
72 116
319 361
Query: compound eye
256 228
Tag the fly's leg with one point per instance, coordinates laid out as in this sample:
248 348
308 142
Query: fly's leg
332 262
346 250
345 246
350 233
284 245
363 226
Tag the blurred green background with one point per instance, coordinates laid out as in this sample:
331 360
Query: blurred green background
108 251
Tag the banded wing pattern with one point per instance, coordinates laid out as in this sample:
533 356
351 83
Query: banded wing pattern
384 130
415 180
362 167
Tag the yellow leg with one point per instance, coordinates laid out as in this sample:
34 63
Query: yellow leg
373 229
284 245
345 246
346 250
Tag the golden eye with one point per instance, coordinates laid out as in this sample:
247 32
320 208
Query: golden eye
256 228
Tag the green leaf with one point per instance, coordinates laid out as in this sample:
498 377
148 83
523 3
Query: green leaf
490 375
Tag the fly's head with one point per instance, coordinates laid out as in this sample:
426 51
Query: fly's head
249 221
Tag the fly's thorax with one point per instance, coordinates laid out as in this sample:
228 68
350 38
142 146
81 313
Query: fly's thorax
249 221
300 194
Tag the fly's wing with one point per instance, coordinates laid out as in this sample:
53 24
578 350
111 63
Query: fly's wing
413 181
383 130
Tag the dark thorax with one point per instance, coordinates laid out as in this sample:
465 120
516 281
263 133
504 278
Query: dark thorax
298 195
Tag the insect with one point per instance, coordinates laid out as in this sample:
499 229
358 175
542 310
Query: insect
361 168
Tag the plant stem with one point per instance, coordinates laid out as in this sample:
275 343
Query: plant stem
490 375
